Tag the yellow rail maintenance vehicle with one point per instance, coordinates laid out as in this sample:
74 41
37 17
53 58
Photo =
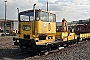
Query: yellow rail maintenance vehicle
37 30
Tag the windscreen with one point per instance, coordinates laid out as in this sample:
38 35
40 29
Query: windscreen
29 16
45 16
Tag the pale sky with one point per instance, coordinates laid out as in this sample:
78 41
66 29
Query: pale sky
71 10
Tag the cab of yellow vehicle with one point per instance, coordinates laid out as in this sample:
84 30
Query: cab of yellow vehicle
41 26
36 25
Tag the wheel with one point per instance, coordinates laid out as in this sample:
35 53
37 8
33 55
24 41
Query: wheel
22 46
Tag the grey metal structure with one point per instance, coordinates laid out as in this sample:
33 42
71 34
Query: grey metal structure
5 18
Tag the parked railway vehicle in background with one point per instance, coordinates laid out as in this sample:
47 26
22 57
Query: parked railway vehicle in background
84 28
38 32
83 31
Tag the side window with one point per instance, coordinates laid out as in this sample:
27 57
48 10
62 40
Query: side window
44 16
79 28
31 18
89 28
52 17
37 15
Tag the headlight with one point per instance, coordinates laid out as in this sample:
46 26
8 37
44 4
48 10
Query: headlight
26 27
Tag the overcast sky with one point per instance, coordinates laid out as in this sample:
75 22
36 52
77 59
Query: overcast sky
68 9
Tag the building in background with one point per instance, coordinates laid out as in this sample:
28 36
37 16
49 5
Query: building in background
10 24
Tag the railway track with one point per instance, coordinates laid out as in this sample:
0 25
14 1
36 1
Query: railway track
51 53
9 51
73 52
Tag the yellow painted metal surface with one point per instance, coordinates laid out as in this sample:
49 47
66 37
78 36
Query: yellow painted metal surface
58 35
72 34
88 34
27 32
61 35
65 36
64 26
43 42
71 37
64 22
84 35
45 27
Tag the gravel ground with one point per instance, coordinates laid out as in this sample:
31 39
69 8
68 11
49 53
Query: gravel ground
77 52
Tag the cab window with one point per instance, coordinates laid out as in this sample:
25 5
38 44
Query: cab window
52 18
44 16
24 18
29 16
